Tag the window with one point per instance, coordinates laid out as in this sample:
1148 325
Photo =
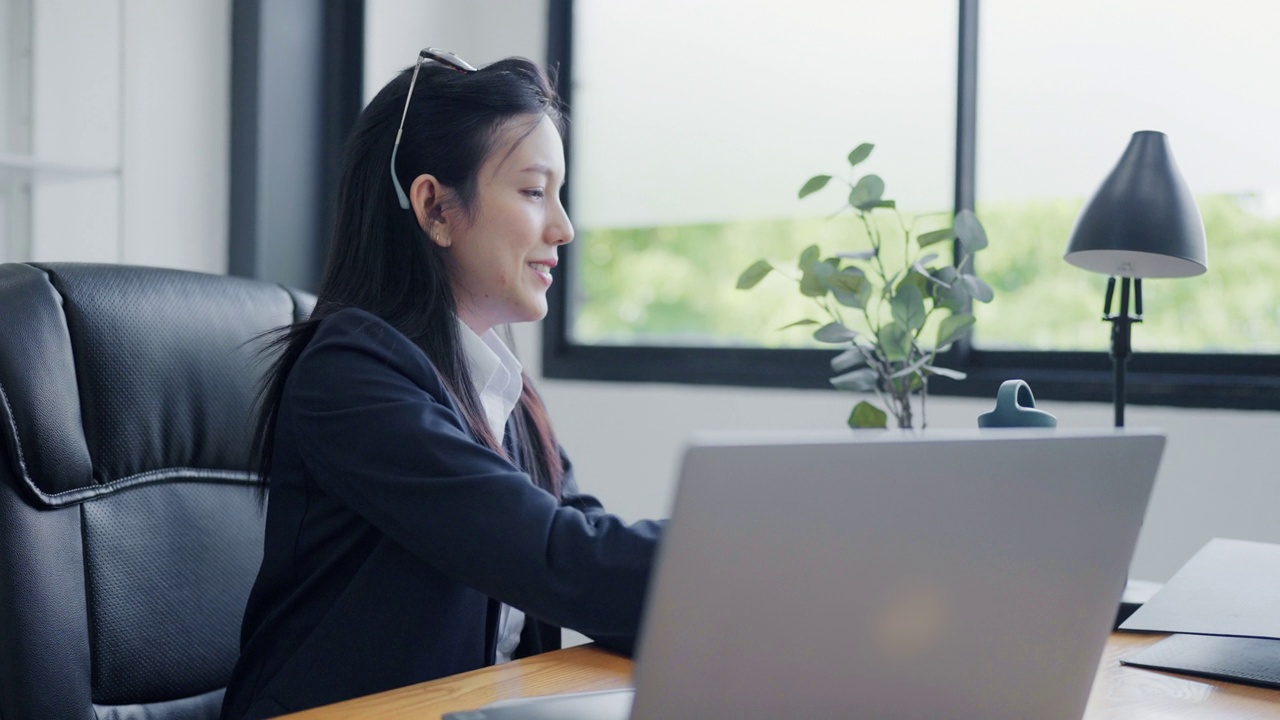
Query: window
60 130
1060 91
684 167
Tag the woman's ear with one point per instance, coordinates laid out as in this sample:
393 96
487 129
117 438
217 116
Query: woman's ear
426 197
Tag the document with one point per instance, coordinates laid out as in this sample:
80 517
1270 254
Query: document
1230 587
1223 603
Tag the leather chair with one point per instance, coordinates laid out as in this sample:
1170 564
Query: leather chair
130 525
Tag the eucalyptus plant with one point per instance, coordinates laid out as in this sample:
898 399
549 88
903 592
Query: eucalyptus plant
879 311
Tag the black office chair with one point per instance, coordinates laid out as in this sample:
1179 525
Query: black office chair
130 530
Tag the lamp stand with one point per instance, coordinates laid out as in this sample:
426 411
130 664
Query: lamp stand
1121 345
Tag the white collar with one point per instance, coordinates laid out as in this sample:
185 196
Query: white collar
495 374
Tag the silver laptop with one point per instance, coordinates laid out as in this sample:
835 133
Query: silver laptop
957 575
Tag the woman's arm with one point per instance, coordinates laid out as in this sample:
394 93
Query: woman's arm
377 431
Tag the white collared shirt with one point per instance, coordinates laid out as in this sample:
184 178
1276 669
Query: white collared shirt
496 376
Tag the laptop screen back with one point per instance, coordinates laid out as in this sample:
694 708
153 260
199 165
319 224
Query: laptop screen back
882 575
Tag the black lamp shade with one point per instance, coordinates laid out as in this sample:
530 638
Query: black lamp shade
1143 221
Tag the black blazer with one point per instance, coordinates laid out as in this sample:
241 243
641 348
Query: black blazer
392 534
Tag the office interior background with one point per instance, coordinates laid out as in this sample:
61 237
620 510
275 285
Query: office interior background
117 148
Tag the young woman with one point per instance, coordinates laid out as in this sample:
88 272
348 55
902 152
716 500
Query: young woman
422 520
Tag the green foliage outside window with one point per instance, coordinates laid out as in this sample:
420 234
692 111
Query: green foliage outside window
674 285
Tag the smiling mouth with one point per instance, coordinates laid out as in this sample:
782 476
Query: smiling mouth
541 267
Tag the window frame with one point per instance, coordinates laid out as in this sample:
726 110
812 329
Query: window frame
1203 380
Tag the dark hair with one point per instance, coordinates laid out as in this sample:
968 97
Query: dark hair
381 261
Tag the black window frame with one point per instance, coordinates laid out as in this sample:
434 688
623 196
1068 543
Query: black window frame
1205 380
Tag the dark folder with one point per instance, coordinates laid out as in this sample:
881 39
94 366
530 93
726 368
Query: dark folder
1254 661
1225 605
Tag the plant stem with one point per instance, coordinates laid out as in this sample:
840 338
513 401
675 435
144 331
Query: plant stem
874 237
924 398
906 242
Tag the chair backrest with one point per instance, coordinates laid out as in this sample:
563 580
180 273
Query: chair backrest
130 528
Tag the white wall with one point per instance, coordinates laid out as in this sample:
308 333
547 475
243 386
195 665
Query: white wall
478 31
134 97
1218 477
176 163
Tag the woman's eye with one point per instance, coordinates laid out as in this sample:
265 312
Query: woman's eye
535 193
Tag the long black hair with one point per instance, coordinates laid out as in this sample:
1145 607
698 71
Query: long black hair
381 261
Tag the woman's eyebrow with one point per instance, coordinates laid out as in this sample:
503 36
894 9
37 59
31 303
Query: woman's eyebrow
538 168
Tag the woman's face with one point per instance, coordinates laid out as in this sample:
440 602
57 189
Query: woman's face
500 259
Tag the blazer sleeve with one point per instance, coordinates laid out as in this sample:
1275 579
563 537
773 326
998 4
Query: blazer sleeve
377 431
570 495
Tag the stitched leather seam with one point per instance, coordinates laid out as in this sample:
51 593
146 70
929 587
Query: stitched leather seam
90 604
67 497
70 497
17 441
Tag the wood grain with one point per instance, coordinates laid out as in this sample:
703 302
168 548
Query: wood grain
1131 693
577 669
1119 691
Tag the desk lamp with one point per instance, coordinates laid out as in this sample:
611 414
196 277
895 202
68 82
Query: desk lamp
1142 223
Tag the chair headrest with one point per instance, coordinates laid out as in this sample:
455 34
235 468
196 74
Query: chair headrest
116 375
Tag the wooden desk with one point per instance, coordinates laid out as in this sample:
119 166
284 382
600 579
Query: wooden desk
1119 691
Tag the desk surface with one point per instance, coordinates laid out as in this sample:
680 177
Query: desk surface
1120 691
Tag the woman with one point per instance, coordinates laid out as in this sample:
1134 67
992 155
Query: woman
422 520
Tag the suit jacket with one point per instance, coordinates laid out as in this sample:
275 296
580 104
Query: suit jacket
392 534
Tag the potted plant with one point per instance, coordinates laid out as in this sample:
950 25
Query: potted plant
893 318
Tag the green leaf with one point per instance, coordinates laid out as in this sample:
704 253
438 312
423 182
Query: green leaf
867 192
952 328
936 276
953 297
845 280
908 306
895 341
834 333
916 277
798 323
978 288
851 287
944 372
946 274
863 380
860 153
937 236
814 184
754 274
850 358
887 204
856 297
813 283
969 232
920 267
808 256
866 415
859 255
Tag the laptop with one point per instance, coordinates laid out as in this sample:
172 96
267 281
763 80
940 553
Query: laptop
940 574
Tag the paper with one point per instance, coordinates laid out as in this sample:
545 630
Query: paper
1230 587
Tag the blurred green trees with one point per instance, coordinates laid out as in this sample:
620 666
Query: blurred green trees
675 285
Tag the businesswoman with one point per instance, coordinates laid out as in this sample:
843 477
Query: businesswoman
422 520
